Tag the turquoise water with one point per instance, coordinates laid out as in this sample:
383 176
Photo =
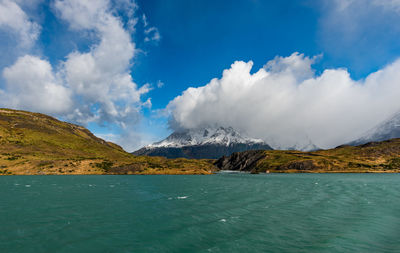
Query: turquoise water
216 213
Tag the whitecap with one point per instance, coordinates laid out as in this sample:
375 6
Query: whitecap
222 220
183 197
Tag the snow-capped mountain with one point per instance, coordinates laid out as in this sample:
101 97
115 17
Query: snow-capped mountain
386 130
202 143
220 136
307 147
304 144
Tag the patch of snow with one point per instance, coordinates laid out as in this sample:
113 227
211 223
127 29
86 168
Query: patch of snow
222 136
386 130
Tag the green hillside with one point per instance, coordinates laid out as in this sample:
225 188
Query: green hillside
33 143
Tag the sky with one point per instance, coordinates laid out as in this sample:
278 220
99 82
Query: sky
289 72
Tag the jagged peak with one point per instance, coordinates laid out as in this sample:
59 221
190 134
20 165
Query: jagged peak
388 129
202 136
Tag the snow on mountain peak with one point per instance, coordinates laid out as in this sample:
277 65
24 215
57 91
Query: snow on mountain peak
385 130
221 136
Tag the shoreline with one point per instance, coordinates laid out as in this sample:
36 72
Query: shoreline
211 173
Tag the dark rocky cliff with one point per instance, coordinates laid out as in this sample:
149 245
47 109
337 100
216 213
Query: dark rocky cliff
243 161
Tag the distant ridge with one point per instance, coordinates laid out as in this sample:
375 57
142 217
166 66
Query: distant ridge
380 157
389 129
203 143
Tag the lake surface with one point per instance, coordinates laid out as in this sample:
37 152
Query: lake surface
215 213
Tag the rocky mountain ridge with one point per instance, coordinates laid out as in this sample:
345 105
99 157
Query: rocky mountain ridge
381 156
386 130
204 143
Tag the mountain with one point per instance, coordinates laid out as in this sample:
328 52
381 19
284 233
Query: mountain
204 143
307 146
34 143
386 130
370 157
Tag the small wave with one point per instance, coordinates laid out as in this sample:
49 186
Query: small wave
27 185
232 172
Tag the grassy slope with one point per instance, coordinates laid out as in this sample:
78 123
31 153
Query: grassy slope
33 143
372 157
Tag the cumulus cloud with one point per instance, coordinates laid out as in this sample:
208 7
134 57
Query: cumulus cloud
31 85
98 82
85 14
286 104
129 8
15 20
101 77
88 86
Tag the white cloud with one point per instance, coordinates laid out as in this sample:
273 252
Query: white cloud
130 141
29 4
390 5
357 24
31 85
129 7
295 65
361 33
15 20
144 20
151 32
88 86
160 84
84 14
101 77
286 106
361 5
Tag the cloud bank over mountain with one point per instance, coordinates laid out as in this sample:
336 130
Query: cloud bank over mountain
286 104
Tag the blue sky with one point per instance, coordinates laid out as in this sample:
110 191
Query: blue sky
201 38
166 46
